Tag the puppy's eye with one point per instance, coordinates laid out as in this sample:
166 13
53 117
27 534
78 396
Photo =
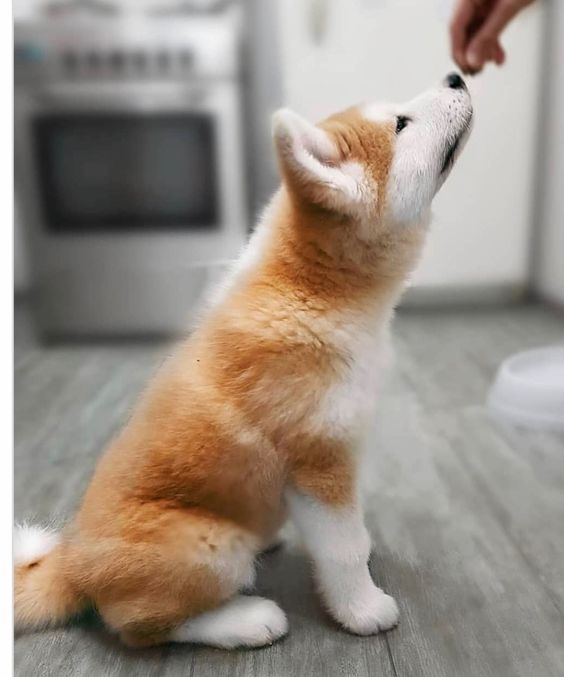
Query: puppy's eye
401 123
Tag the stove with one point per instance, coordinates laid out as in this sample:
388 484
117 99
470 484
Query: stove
130 174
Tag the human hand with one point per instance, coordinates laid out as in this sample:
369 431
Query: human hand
475 30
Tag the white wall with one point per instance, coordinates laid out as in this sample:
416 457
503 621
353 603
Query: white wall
549 259
373 49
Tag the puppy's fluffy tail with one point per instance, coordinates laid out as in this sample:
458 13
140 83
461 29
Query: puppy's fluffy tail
42 594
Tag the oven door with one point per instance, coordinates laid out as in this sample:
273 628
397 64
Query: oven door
129 193
119 171
146 158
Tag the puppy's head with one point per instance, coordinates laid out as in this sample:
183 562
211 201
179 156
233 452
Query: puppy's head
378 164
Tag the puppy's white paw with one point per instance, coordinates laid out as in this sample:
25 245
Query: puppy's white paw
242 621
374 613
263 625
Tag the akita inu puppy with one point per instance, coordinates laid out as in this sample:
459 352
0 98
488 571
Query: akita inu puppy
258 414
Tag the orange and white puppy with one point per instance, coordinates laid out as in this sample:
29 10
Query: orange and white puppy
258 414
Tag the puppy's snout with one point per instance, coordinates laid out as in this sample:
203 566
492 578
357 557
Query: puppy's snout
454 81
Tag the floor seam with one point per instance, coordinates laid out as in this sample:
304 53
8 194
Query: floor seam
391 657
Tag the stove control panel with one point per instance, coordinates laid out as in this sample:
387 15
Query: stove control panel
118 63
113 50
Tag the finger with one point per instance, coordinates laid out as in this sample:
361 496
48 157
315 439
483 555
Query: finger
461 19
501 15
492 51
499 54
491 54
487 53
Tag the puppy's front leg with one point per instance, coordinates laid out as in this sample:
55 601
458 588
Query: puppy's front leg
339 545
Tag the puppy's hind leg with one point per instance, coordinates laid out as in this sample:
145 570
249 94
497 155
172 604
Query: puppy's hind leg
184 587
241 621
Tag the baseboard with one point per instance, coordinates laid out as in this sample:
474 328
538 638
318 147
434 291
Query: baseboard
549 300
464 296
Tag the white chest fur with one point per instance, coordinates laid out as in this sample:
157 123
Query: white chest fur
347 405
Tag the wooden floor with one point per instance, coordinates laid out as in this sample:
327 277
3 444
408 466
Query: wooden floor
467 516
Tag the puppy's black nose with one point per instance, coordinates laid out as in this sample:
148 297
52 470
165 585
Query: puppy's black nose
454 81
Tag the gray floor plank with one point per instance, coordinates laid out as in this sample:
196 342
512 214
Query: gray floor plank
464 514
520 472
529 504
470 605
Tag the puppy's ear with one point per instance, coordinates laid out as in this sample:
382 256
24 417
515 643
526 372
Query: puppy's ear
312 164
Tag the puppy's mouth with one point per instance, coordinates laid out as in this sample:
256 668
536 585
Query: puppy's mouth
453 150
450 155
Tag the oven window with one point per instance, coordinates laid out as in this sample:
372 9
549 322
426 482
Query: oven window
124 172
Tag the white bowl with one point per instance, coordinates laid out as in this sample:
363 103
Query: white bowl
529 389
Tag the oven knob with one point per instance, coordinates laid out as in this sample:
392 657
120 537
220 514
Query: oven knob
116 60
70 62
139 62
93 61
186 59
163 61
